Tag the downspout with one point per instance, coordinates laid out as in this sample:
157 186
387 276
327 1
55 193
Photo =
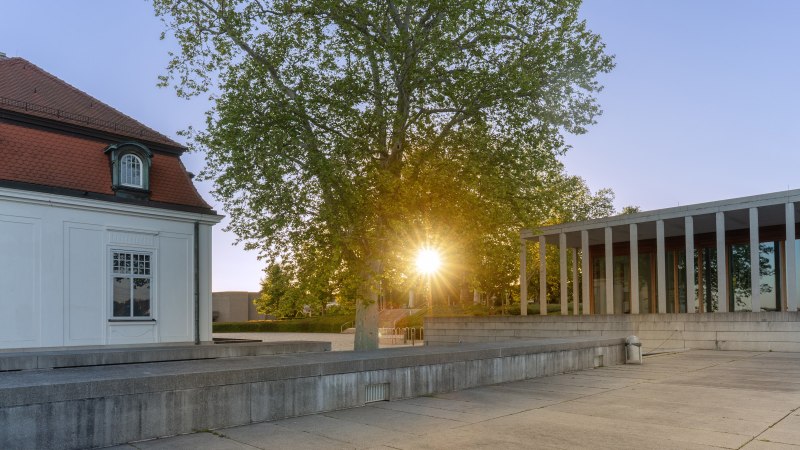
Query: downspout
197 283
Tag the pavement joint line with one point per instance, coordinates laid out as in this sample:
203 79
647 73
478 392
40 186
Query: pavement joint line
770 427
551 404
638 382
421 414
373 425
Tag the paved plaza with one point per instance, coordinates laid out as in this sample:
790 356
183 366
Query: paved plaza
689 400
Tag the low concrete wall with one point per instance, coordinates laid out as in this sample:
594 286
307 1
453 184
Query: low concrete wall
747 331
101 406
127 354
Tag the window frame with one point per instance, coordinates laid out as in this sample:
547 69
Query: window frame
125 174
151 276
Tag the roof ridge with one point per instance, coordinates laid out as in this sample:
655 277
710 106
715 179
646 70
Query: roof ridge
88 120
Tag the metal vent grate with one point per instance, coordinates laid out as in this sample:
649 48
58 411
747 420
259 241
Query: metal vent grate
376 393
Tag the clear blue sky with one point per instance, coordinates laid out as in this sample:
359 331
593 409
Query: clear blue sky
703 104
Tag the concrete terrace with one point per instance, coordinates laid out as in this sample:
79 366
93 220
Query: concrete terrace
690 400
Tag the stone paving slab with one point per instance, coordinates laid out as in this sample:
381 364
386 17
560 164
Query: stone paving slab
688 400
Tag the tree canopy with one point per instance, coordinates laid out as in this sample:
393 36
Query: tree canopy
347 134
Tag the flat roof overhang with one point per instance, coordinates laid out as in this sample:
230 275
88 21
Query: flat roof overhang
771 211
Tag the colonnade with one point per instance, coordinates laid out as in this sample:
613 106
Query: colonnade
789 280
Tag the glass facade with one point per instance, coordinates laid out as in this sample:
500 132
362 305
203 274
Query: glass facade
647 283
599 285
676 281
741 298
622 284
705 276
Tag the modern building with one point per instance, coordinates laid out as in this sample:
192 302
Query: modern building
103 237
725 256
235 306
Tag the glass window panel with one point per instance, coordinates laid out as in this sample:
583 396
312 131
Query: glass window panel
769 276
599 285
708 282
622 284
141 297
675 272
646 283
131 171
122 297
740 286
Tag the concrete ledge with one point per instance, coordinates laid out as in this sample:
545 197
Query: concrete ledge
107 405
747 331
128 354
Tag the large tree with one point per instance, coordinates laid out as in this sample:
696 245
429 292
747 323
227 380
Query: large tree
346 134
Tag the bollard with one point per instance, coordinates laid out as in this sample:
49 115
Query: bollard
633 350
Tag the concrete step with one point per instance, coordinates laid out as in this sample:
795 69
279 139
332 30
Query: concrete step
349 331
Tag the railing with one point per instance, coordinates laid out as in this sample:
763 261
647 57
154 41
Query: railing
345 325
80 118
403 335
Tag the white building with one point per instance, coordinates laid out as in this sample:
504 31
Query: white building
103 237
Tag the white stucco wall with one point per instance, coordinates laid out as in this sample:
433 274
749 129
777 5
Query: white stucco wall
55 274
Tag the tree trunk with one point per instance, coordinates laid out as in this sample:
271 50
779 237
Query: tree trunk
367 311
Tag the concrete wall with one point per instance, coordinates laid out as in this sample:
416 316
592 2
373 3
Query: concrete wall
55 271
764 331
102 406
235 306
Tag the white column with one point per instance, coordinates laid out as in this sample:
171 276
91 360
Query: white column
661 267
542 276
562 266
691 298
585 271
575 296
411 298
755 265
634 243
722 265
609 272
523 278
791 260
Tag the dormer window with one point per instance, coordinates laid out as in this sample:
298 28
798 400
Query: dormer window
130 169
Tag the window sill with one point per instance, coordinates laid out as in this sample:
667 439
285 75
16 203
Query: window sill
132 320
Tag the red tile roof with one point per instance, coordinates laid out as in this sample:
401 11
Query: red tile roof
49 158
44 155
26 88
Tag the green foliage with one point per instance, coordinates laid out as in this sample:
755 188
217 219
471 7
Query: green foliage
349 133
323 324
630 209
279 295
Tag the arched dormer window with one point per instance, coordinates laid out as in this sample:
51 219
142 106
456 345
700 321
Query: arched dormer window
130 169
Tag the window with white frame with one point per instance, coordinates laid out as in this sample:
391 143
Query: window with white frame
131 281
130 171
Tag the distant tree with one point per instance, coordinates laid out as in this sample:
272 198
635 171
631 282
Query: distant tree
365 129
279 296
630 210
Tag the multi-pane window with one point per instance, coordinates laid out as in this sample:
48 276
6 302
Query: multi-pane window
130 171
131 281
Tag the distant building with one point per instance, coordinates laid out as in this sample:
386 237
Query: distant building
725 256
102 232
235 306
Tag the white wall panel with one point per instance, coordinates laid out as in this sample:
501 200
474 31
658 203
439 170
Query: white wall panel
20 275
84 269
174 303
